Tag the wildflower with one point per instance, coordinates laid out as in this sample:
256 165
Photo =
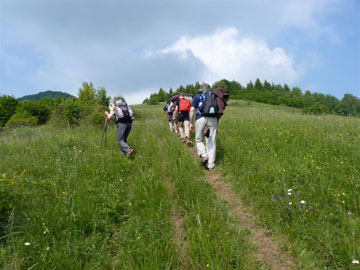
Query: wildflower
62 152
207 265
355 261
48 248
138 238
272 197
130 204
140 156
290 203
46 166
80 151
281 198
27 244
74 147
349 213
289 193
289 190
297 194
343 201
310 207
303 202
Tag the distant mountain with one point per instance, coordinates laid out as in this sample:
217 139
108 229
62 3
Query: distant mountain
41 95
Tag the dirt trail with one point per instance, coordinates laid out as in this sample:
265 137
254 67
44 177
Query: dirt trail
178 229
268 249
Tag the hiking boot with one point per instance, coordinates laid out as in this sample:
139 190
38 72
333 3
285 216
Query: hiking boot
204 162
130 152
189 142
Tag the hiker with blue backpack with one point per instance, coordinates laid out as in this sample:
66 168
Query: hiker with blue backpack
208 107
123 120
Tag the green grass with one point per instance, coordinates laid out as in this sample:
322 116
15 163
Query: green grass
270 150
82 207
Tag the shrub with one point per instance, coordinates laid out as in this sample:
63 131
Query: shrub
35 108
7 108
22 120
67 113
317 108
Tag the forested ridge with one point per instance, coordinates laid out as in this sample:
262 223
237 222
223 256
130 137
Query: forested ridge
45 94
275 94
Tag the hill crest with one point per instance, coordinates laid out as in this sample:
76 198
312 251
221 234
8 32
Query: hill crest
49 93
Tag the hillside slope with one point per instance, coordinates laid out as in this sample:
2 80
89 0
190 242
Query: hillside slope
67 203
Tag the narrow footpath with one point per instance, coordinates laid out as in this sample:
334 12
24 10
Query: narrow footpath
268 249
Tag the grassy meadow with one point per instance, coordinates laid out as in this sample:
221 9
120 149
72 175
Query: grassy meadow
67 203
300 174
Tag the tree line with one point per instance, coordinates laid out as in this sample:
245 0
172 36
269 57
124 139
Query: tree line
275 94
61 111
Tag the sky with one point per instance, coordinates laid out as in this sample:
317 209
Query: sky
135 47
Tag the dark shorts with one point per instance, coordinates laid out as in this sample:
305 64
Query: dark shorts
183 116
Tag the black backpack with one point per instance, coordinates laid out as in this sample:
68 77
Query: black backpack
209 106
126 115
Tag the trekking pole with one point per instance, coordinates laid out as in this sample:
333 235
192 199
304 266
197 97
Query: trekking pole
221 155
104 133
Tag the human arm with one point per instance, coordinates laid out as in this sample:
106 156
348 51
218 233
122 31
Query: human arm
109 115
176 112
191 116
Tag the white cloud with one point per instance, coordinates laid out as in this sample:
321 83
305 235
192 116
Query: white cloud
227 55
139 96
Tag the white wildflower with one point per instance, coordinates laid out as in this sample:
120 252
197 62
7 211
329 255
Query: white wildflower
289 193
289 190
290 203
303 202
355 261
27 244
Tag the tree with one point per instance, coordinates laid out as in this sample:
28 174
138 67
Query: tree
250 86
350 105
154 99
258 85
87 94
296 92
223 84
101 97
8 106
267 86
161 95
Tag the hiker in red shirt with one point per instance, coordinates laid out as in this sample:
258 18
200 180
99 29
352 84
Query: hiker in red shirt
182 109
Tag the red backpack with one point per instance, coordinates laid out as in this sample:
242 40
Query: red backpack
184 105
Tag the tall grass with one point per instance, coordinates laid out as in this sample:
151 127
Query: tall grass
301 175
68 204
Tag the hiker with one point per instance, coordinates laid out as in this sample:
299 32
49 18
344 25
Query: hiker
123 120
182 109
168 109
174 119
207 106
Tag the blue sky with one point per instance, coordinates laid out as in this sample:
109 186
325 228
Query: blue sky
135 47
